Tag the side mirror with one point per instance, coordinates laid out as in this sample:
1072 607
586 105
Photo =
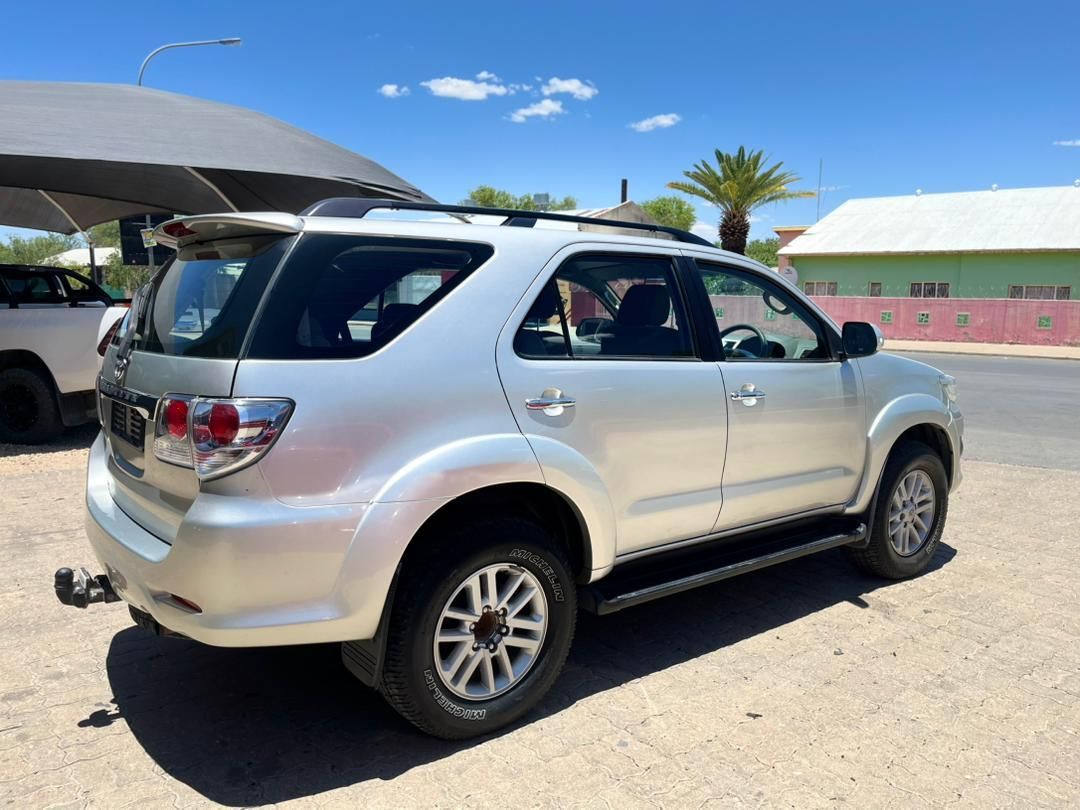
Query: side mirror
861 339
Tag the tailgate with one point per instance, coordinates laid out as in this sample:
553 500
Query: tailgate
185 336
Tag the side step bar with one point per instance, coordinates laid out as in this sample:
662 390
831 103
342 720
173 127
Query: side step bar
673 572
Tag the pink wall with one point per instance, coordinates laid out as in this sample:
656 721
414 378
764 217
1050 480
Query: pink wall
992 320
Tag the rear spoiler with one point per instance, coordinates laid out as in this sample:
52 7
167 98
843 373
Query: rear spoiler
194 230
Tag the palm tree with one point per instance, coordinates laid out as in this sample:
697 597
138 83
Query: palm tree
737 185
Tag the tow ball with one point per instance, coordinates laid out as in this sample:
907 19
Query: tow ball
79 588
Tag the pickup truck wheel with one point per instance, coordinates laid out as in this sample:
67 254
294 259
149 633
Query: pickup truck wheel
477 638
28 409
912 503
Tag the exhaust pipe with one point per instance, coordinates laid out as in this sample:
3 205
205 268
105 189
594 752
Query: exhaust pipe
79 588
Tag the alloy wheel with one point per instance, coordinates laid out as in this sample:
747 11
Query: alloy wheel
911 513
490 631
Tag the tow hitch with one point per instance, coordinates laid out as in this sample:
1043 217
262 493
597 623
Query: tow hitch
79 588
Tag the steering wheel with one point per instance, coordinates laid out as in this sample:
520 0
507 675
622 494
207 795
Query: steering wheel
736 352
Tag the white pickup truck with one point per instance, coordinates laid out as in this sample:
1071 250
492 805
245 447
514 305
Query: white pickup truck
52 323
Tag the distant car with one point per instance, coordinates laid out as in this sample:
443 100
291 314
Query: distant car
432 441
52 322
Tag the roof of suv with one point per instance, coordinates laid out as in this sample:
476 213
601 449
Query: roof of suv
349 215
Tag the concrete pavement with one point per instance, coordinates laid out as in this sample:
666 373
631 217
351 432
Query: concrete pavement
986 349
805 685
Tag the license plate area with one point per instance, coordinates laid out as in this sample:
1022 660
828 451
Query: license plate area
127 424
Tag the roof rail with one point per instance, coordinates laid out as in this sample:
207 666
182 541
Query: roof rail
359 206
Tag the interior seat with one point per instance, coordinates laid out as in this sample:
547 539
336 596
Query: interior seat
639 329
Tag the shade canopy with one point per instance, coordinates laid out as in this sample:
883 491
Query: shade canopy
74 155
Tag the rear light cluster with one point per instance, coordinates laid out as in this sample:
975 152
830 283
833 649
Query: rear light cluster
103 346
216 436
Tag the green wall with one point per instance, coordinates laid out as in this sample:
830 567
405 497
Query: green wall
971 275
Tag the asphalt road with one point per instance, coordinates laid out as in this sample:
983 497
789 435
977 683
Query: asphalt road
1017 410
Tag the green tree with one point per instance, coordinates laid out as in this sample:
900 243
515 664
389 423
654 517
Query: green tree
127 277
35 249
491 197
737 185
675 212
107 234
763 250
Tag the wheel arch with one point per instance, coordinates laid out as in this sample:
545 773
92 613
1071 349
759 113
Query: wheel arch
525 499
918 417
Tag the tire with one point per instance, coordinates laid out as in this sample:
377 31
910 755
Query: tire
28 410
413 680
919 469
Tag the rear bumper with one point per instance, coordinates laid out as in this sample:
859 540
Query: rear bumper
262 573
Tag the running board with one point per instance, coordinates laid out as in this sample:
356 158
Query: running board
667 573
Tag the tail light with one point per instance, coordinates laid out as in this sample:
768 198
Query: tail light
103 346
217 436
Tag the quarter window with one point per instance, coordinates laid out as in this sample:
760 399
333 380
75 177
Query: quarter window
761 321
600 307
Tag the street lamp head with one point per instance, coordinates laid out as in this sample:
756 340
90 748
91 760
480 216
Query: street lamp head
230 41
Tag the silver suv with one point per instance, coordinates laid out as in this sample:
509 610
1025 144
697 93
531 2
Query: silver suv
432 440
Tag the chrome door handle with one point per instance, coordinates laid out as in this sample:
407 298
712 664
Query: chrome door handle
748 394
552 402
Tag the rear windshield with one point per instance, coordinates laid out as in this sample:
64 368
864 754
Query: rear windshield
347 296
203 307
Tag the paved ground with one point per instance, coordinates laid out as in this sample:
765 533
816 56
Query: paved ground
806 685
1017 410
986 349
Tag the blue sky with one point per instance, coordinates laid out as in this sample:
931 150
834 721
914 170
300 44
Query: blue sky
943 96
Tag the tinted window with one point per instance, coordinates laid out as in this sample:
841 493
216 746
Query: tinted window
347 296
759 320
607 306
204 307
34 288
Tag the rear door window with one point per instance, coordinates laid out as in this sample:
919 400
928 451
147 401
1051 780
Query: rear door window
348 295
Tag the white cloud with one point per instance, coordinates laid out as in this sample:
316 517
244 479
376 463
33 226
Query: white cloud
705 230
580 90
464 89
545 108
656 122
1068 143
487 76
393 90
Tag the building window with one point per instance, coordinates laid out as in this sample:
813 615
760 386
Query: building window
875 289
1045 322
963 319
820 287
922 318
886 316
929 289
1040 292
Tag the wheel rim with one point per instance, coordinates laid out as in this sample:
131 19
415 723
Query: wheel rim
911 513
18 409
490 631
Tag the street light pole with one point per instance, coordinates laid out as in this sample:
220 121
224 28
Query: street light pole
156 51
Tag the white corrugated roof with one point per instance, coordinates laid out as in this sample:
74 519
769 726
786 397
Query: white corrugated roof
1006 220
81 256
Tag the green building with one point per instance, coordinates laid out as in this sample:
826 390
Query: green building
1005 243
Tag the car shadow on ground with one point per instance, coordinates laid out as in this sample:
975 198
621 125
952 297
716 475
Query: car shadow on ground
258 726
74 438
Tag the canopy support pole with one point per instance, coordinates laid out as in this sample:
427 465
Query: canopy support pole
213 188
95 274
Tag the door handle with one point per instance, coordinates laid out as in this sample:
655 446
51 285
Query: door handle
552 402
748 394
